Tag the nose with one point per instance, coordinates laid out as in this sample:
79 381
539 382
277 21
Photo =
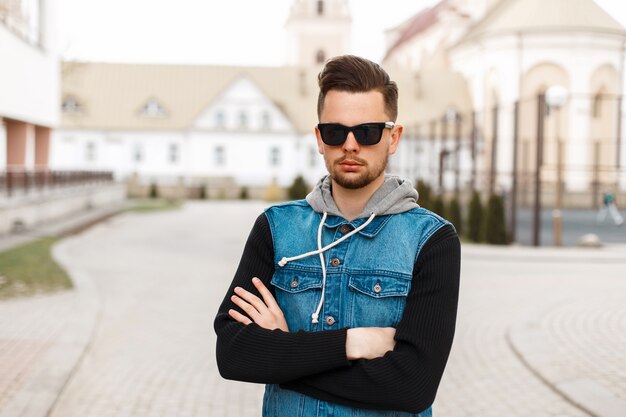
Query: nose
350 145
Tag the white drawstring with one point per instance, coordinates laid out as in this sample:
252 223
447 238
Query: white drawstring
320 250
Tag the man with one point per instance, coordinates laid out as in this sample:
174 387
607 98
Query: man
352 308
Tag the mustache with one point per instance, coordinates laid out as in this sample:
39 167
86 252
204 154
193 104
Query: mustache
351 158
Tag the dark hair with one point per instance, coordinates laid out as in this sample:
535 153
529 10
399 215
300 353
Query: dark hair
357 75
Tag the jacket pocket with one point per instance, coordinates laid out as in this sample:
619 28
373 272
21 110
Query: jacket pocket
377 300
298 294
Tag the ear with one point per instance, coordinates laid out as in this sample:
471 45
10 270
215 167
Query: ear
396 133
320 144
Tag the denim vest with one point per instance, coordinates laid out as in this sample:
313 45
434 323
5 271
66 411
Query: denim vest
368 277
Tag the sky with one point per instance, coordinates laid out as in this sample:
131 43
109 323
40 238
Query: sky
216 32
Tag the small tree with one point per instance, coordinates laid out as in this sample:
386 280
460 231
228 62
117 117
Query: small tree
299 189
203 194
243 193
454 216
495 225
154 191
424 192
475 218
437 206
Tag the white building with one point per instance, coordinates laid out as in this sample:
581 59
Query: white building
225 126
29 84
511 51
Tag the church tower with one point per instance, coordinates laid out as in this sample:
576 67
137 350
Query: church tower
317 30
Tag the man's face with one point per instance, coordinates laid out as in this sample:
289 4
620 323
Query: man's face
352 165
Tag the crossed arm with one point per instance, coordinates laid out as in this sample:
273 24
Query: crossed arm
402 369
361 342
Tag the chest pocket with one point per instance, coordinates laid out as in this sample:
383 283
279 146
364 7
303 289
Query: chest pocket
297 294
377 300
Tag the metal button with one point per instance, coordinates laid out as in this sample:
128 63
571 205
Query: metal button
335 262
345 229
377 288
294 283
330 320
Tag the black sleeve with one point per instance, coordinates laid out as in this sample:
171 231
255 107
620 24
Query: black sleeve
407 378
253 354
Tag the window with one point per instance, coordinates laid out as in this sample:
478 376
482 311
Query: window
138 153
266 121
243 120
219 156
71 105
153 109
173 153
320 57
275 156
220 119
90 152
596 111
320 7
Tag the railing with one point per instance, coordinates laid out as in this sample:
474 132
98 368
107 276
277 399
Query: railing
24 181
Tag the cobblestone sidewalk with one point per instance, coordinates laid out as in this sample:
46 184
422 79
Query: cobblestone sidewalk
539 332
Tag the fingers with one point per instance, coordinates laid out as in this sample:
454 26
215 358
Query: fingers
248 308
269 299
252 299
237 316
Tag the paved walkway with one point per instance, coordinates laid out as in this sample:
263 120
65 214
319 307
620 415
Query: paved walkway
540 332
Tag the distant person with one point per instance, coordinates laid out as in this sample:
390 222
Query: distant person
353 306
609 206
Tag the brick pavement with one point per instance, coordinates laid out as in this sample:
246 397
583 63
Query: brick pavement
158 279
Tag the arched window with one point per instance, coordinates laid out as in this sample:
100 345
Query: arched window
320 57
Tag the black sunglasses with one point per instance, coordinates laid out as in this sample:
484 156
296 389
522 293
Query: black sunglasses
335 134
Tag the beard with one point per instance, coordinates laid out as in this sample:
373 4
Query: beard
354 180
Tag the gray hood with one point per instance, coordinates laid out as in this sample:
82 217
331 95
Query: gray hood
396 195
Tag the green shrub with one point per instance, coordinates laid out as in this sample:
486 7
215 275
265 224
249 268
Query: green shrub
243 193
495 225
424 192
154 191
475 218
454 216
203 194
437 205
299 189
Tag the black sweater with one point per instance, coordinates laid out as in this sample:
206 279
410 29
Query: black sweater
315 363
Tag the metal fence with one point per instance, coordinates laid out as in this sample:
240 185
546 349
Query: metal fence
536 152
23 181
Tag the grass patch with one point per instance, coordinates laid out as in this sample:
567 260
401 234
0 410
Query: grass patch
30 269
150 205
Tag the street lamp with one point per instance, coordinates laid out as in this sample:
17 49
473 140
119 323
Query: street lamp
556 96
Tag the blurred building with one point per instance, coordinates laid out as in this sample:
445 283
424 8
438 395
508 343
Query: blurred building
561 62
218 128
29 84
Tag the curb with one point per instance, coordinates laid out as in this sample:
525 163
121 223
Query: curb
530 343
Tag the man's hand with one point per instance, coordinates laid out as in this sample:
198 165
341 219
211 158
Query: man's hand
369 342
266 313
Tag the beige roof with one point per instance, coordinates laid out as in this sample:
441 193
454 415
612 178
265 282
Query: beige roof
112 95
523 16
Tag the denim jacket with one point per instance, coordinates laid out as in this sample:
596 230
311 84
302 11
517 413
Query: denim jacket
368 277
